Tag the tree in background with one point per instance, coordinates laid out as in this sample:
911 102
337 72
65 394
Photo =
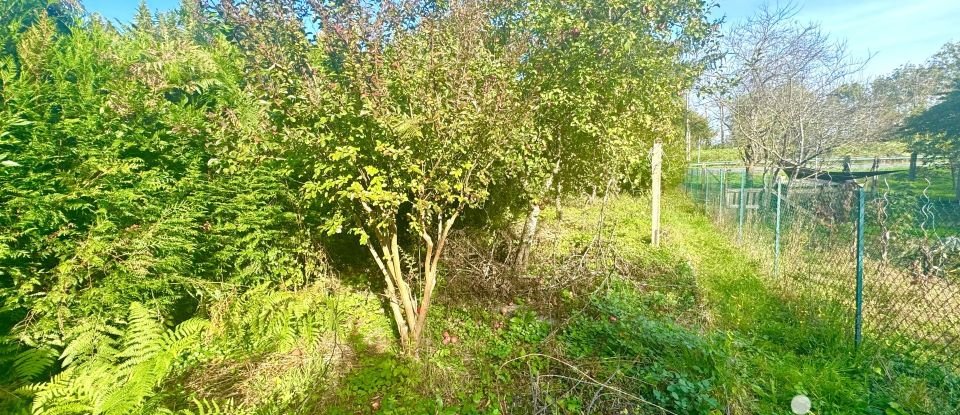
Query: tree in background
421 116
699 128
787 96
911 89
604 80
936 133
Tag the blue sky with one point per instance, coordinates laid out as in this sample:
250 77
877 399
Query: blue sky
896 31
123 10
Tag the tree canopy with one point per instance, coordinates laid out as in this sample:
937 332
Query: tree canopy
942 120
936 133
225 145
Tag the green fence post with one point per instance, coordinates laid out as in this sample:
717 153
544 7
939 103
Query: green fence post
693 183
703 173
695 191
743 205
723 193
703 182
858 320
776 240
706 190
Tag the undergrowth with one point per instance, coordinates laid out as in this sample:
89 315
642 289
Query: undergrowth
602 324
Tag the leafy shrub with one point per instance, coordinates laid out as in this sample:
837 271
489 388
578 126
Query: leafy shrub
202 158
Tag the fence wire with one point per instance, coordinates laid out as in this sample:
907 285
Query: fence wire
899 285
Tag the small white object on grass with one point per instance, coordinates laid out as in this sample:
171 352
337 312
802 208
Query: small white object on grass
800 405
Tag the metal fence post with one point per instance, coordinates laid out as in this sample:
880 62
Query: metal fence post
776 240
706 191
693 183
858 321
743 205
723 193
703 173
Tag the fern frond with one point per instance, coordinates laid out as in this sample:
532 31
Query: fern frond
68 408
144 336
31 363
29 390
89 340
109 382
135 386
55 393
186 332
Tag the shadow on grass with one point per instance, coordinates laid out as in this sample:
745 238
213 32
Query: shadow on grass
792 341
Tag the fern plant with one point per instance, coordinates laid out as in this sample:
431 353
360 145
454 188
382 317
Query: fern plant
19 367
265 319
113 371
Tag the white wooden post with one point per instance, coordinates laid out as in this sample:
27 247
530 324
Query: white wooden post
656 164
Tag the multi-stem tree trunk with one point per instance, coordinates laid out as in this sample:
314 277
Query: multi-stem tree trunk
409 314
532 222
526 236
430 267
385 250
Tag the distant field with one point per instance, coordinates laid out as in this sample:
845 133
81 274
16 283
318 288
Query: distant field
932 182
935 182
889 149
718 154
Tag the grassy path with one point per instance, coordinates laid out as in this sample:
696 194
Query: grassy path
741 297
783 345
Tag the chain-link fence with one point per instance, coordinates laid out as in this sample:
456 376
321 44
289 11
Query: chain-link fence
880 252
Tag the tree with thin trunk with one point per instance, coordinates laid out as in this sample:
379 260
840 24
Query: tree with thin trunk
418 106
787 90
603 79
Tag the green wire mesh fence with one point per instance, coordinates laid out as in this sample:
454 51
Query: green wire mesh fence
882 253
